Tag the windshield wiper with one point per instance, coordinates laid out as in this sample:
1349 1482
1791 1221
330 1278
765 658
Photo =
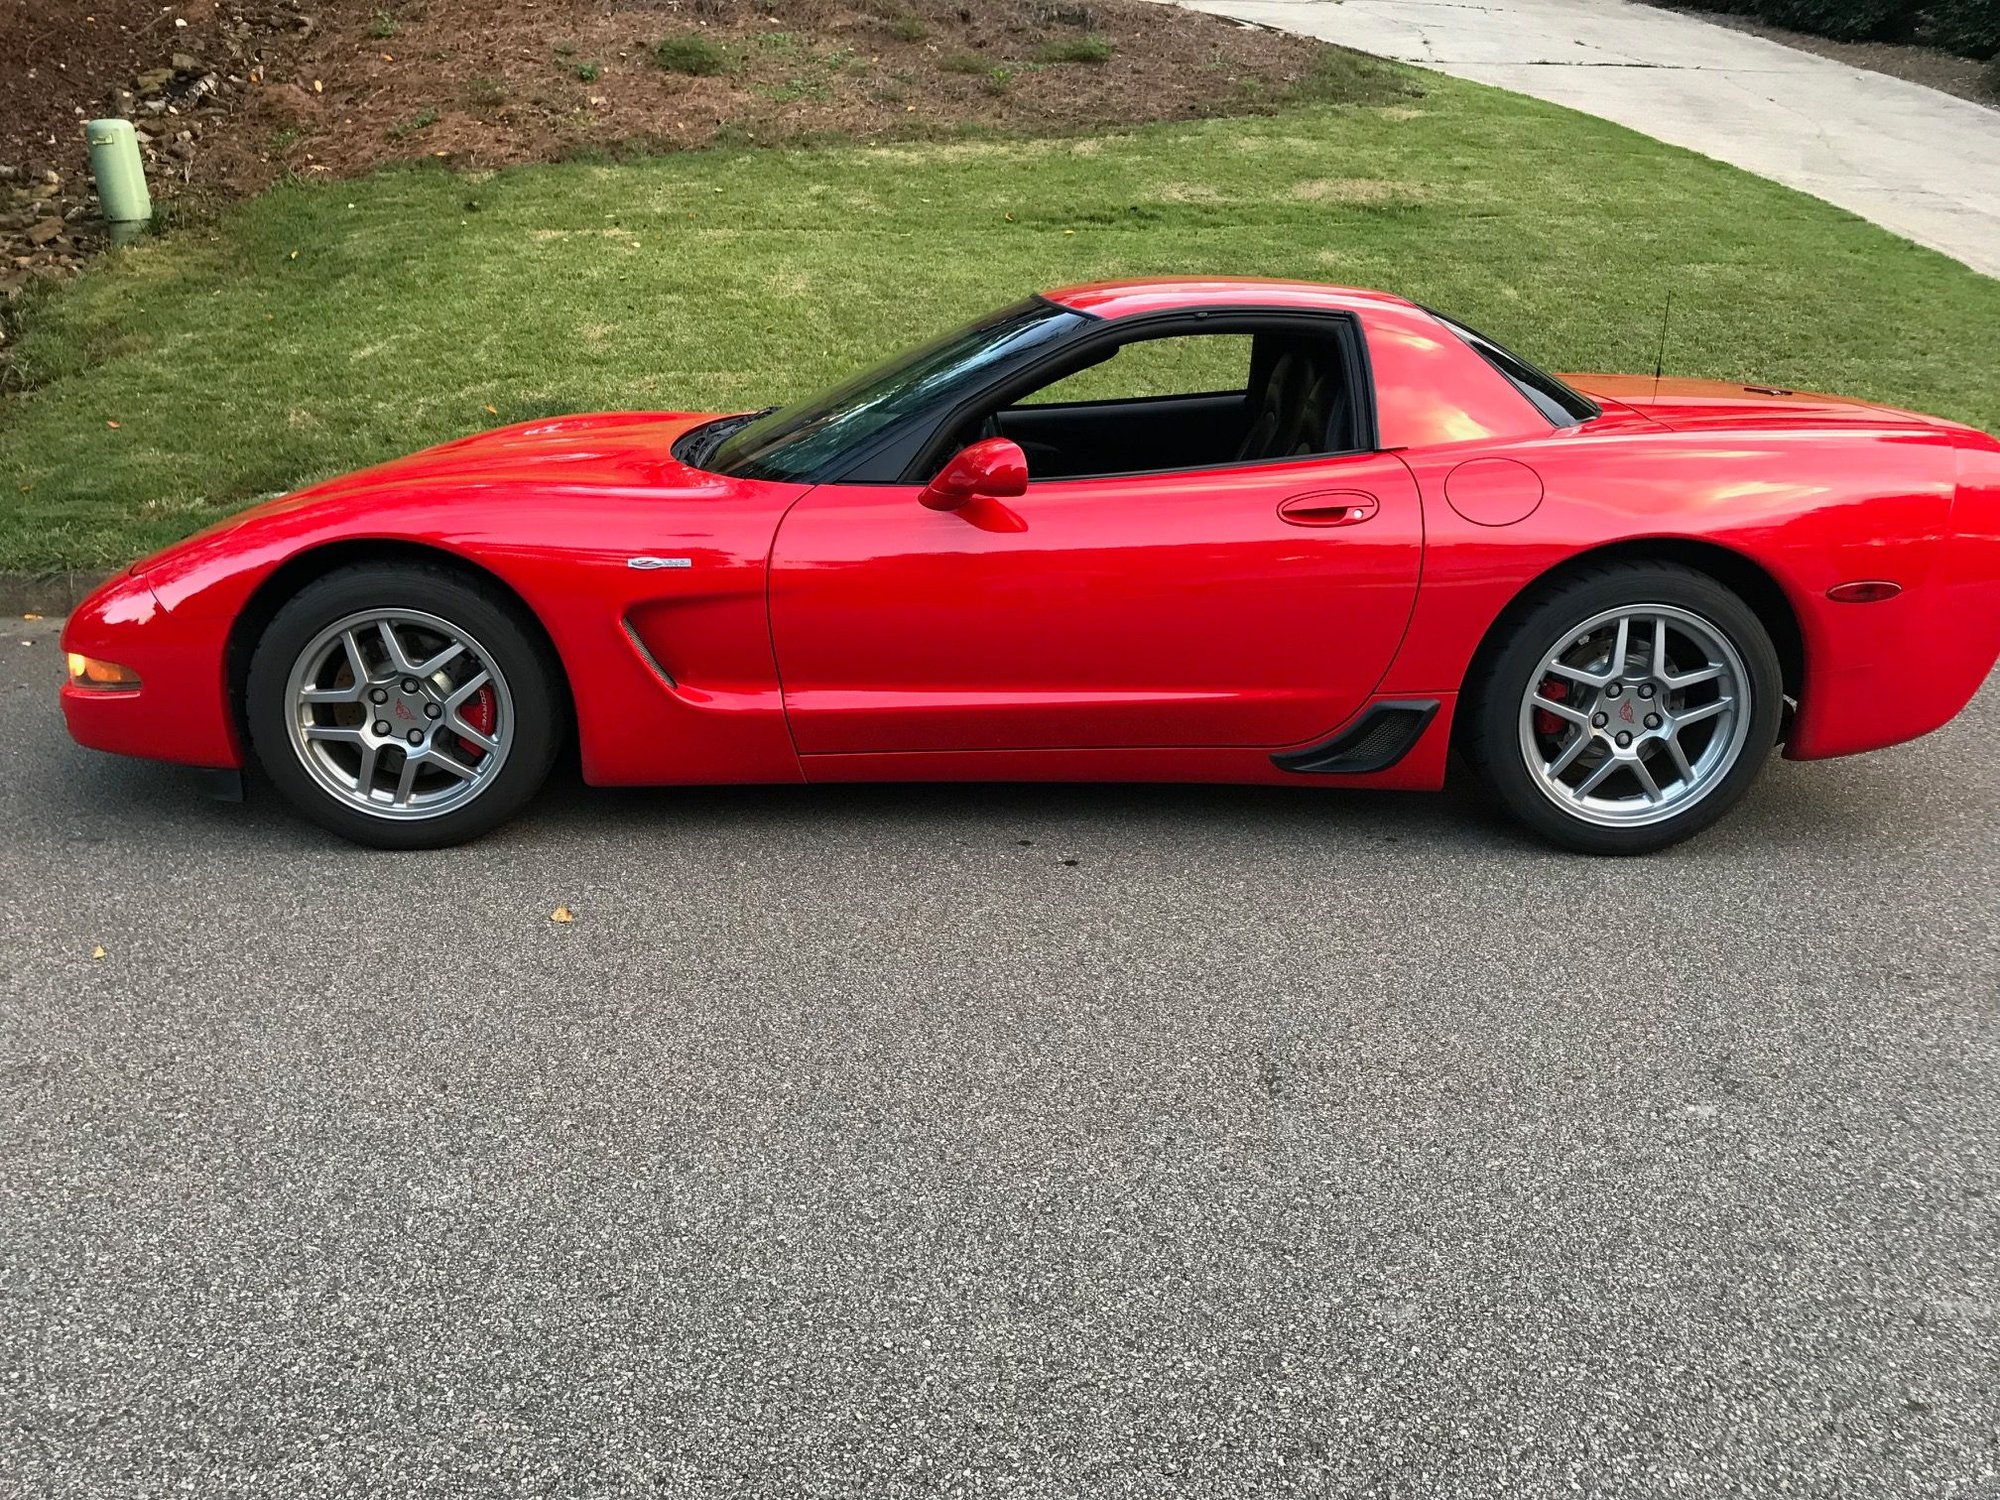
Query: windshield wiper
698 447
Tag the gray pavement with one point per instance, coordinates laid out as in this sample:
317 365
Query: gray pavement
1909 158
1037 1141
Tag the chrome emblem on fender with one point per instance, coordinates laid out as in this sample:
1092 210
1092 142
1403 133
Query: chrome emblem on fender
659 562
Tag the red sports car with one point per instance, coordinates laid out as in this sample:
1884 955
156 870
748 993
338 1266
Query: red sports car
1199 530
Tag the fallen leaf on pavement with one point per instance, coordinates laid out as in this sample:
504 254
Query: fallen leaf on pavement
97 952
562 914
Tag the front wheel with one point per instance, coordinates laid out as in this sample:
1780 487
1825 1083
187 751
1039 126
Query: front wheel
403 706
1628 707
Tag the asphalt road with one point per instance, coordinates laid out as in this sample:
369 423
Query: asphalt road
1094 1142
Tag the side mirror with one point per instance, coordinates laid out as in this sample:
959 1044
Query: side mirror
993 468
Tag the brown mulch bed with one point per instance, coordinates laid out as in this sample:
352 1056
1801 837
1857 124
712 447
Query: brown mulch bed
229 95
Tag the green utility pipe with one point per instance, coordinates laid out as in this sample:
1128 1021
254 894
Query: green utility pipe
121 177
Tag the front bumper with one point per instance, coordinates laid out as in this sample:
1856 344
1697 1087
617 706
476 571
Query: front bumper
180 710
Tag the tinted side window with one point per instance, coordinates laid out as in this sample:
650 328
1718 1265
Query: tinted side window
1184 365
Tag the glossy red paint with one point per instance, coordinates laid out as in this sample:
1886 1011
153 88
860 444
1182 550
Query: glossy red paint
1169 626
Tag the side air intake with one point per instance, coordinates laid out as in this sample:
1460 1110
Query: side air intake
1378 739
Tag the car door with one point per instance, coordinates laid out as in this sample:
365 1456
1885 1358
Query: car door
1248 604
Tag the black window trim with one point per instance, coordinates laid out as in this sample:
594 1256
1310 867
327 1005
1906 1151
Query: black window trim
1026 376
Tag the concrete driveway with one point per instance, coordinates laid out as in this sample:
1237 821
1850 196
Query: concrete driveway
1028 1141
1913 160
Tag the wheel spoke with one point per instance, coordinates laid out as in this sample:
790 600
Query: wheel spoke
1563 710
473 736
357 661
1578 743
1646 783
1678 680
1621 648
398 658
364 778
1659 645
338 734
465 690
333 695
1701 711
1595 779
450 763
408 779
1578 674
1681 764
444 658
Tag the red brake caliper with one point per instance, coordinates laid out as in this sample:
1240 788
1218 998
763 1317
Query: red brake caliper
1546 722
479 713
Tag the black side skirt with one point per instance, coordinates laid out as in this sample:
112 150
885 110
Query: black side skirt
1374 742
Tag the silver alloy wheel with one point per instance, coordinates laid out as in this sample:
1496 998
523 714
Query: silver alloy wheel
399 714
1635 715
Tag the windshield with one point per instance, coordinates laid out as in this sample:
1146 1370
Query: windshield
795 443
1554 400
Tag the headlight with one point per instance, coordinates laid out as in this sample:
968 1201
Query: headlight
89 672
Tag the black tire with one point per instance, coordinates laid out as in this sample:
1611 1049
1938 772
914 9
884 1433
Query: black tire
539 706
1491 715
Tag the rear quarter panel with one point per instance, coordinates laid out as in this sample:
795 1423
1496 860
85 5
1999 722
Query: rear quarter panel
1812 508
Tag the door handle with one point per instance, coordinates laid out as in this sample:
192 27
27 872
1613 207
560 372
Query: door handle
1329 508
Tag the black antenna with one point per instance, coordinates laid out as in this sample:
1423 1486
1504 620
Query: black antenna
1660 360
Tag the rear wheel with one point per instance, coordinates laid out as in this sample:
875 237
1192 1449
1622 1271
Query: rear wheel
403 706
1628 707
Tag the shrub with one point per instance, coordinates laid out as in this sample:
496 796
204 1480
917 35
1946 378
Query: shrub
690 54
1078 49
1970 28
962 62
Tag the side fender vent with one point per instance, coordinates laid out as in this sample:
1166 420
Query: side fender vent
1378 739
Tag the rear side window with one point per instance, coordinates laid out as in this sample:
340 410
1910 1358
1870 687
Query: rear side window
1561 404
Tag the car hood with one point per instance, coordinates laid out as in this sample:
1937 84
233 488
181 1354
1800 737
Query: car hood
617 450
1695 405
630 452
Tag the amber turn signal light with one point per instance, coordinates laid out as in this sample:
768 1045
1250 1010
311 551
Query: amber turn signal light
89 672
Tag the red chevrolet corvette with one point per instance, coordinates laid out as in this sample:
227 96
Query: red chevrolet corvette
1216 530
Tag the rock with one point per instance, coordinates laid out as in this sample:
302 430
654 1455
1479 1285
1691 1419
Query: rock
44 230
186 62
153 80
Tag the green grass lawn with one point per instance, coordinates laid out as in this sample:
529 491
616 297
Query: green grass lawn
317 329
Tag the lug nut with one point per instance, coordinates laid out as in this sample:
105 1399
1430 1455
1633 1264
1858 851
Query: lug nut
1600 720
416 736
1624 738
409 684
1646 690
432 711
1652 721
381 726
1613 691
380 695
